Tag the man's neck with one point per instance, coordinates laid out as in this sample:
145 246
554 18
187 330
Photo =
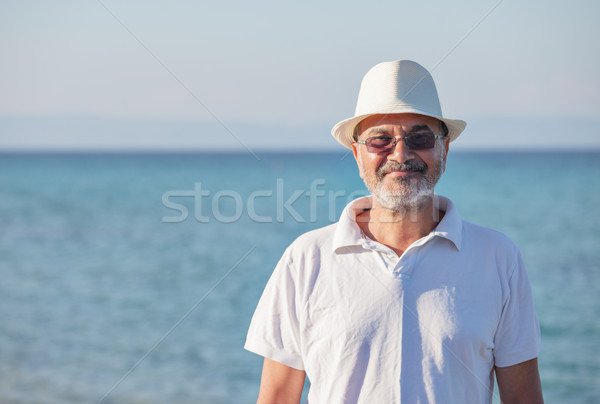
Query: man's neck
398 230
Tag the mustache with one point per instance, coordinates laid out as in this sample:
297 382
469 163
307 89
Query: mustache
407 166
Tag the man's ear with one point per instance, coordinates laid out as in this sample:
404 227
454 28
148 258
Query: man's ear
357 157
446 147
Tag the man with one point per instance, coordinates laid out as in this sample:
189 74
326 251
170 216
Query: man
401 301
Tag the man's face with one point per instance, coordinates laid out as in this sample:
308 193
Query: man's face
400 178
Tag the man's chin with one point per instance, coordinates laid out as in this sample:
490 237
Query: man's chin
402 203
401 194
399 190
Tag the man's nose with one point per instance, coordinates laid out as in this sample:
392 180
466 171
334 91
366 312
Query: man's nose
400 152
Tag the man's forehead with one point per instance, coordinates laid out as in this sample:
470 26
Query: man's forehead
405 120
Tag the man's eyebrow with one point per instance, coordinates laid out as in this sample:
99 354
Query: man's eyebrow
386 132
417 128
378 131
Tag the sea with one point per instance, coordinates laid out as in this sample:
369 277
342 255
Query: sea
132 277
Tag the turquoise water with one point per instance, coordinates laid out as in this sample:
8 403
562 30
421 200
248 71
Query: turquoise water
111 293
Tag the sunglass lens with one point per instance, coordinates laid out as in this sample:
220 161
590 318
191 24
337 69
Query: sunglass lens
420 141
378 144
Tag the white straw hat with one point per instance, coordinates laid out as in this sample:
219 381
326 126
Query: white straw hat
398 87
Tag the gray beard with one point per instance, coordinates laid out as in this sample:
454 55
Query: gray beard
413 194
407 193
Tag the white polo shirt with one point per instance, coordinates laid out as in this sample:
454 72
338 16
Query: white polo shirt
368 326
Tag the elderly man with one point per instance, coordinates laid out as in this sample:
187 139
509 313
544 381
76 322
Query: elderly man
401 301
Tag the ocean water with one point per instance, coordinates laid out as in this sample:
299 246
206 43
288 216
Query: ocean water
132 278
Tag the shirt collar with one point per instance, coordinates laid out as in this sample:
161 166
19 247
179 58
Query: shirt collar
348 233
451 225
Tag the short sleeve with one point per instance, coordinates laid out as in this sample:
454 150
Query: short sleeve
518 336
274 330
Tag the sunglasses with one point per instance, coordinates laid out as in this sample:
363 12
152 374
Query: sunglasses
414 141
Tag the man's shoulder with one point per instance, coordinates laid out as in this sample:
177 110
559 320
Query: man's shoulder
311 249
317 238
469 236
484 236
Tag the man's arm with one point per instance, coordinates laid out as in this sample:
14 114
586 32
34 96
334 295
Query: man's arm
520 383
280 384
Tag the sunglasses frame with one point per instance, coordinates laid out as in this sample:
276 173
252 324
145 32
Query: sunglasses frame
395 142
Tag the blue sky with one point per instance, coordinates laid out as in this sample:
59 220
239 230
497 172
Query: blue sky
192 75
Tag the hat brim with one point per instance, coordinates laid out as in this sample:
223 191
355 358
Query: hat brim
343 131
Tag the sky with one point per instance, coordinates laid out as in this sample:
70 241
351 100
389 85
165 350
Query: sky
195 75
